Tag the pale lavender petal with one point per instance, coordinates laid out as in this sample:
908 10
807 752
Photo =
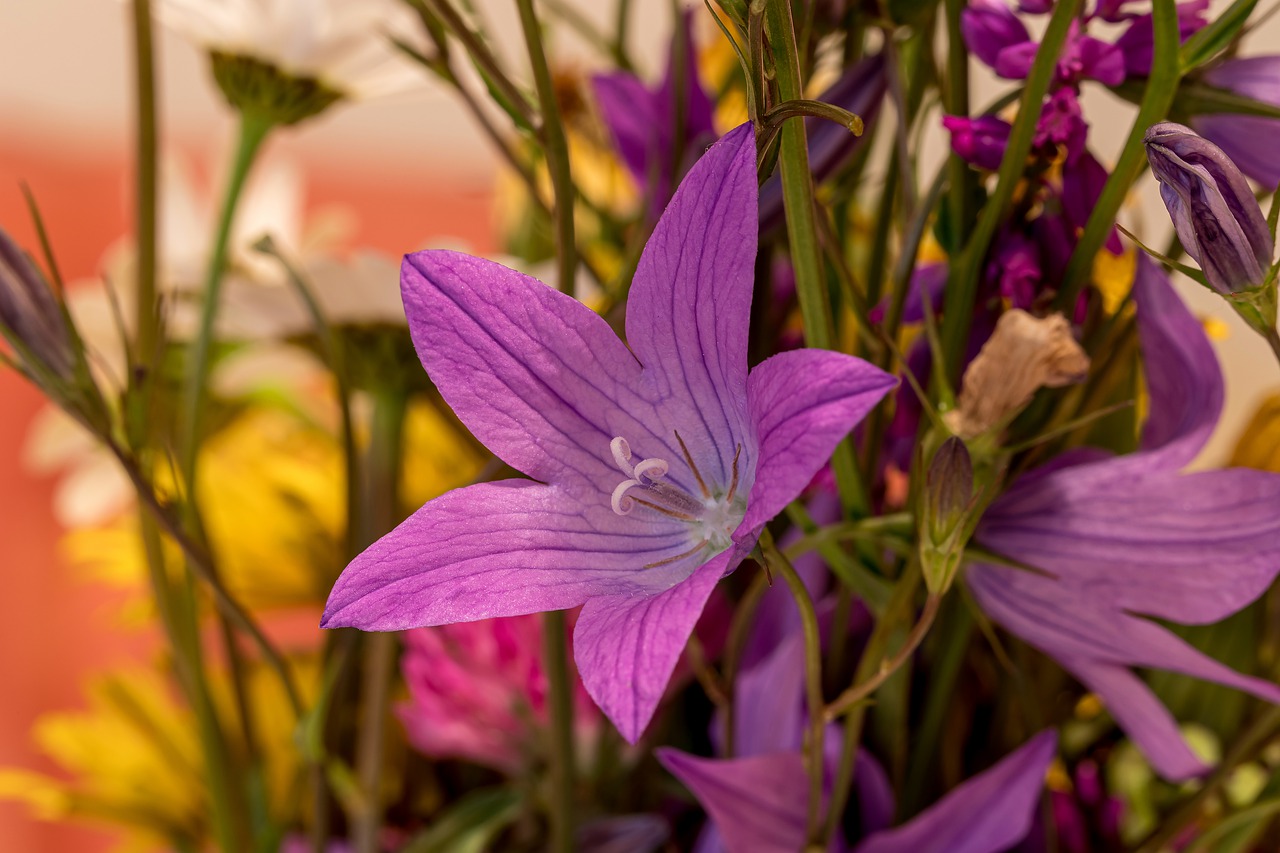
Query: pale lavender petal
1183 378
1147 722
1247 140
769 698
758 803
690 303
627 646
874 790
988 813
1193 548
536 376
802 404
500 549
1077 625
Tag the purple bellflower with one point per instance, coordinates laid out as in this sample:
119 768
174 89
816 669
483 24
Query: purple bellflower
1248 140
1217 218
757 801
654 464
1137 44
643 121
1132 536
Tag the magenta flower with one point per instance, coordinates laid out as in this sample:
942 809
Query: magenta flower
478 691
654 464
1132 536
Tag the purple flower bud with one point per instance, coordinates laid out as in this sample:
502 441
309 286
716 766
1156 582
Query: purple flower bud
948 499
979 141
1213 209
29 312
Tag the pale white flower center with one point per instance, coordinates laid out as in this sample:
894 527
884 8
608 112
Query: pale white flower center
712 516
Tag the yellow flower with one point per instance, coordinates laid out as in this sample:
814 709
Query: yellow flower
273 499
1113 277
1259 443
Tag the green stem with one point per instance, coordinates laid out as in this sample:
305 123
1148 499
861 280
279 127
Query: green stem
896 613
379 514
1273 341
955 97
555 145
966 270
147 317
1161 88
814 751
560 698
955 631
253 132
802 231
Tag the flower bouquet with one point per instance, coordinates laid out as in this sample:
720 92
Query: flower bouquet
820 469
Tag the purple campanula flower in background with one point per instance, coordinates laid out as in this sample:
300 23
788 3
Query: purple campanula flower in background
654 463
860 90
757 800
1015 268
1248 140
1137 43
1132 536
642 120
990 28
980 140
1217 218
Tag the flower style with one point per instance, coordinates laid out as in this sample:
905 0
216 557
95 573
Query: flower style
344 47
1213 209
657 465
1132 536
478 691
757 801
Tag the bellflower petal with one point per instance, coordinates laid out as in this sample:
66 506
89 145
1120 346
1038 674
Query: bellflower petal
627 646
648 455
1214 211
1127 537
537 550
758 803
1137 43
631 113
1247 140
803 402
979 141
989 813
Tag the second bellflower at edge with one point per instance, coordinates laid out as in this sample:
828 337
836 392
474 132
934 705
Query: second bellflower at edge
654 464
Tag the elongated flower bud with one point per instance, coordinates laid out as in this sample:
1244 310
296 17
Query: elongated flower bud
945 510
29 313
1213 210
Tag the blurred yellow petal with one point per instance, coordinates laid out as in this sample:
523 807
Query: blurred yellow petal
1259 443
1113 277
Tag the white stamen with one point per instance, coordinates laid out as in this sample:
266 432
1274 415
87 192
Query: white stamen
651 470
622 455
622 504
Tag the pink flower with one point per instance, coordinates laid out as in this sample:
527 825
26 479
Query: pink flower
477 691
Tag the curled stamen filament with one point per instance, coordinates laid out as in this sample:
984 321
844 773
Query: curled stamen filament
650 469
622 455
621 502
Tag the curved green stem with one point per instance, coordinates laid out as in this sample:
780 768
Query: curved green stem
560 698
813 677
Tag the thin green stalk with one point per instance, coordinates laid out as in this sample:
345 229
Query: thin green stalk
555 145
955 97
621 20
148 317
814 751
802 231
560 698
955 631
1273 341
253 132
966 270
897 611
1161 87
379 514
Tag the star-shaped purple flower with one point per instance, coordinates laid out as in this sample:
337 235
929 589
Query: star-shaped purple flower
1133 536
654 466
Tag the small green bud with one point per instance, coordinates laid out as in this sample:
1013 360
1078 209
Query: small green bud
947 505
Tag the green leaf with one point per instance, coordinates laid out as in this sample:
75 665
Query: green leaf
470 824
1220 32
1196 98
1238 833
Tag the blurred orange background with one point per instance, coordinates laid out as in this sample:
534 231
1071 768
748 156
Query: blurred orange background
55 628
